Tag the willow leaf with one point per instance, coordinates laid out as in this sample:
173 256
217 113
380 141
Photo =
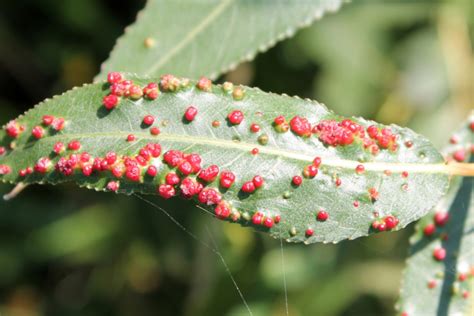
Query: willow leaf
404 179
444 287
207 37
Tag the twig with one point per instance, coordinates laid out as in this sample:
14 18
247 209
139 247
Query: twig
16 190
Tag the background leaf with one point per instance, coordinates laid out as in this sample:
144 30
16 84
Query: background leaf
432 287
404 182
195 38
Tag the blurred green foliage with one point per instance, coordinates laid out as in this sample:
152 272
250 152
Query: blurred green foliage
67 251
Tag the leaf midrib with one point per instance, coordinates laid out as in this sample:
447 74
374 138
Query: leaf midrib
190 36
438 168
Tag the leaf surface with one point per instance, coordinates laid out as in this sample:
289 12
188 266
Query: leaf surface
430 286
207 37
403 179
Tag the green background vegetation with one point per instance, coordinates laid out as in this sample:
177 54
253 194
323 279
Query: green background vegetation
69 251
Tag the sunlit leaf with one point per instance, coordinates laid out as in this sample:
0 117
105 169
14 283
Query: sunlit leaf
370 177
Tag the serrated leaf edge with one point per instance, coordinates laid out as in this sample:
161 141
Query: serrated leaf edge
250 55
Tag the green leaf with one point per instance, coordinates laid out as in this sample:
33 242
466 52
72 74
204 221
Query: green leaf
211 37
337 188
432 287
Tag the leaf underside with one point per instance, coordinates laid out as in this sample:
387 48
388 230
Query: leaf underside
348 197
176 35
432 287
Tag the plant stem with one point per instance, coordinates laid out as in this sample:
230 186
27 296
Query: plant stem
460 169
16 190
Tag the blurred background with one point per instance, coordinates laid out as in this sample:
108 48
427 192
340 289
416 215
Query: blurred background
69 251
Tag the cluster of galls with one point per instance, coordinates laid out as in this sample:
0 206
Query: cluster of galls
250 186
339 133
346 132
321 216
14 129
464 278
383 137
334 133
298 125
122 88
461 153
439 220
128 167
389 222
190 179
185 165
260 219
309 171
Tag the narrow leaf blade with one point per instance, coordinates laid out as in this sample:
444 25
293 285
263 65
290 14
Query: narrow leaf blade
404 181
444 287
210 37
